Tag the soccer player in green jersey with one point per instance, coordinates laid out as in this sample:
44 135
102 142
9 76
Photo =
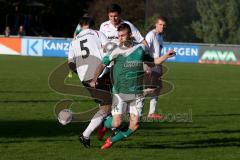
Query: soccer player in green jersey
127 78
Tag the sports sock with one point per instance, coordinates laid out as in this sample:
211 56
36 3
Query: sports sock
95 122
153 104
120 135
108 122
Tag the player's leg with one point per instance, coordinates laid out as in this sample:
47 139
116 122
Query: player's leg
157 82
118 107
105 109
152 105
135 110
114 120
97 120
94 123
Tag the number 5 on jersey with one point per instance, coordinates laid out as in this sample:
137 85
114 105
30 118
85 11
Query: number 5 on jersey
85 50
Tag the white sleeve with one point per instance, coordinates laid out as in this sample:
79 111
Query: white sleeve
149 38
153 44
136 34
156 47
101 29
71 57
103 38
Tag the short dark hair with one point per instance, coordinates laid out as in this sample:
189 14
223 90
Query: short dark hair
87 20
162 18
114 8
124 26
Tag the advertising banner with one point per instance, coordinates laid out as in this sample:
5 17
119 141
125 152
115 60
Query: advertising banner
220 55
32 46
190 53
10 46
184 53
55 47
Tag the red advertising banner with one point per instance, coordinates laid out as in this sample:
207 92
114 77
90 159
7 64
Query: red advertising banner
10 46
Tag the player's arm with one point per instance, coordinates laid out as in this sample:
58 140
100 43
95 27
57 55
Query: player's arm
153 44
137 35
72 67
145 43
98 71
71 60
105 61
163 58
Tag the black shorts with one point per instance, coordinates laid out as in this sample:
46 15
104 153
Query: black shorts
102 92
154 81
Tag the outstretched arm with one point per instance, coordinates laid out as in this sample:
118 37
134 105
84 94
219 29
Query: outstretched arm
163 58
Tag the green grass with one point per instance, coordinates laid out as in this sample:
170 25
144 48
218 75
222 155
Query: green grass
209 93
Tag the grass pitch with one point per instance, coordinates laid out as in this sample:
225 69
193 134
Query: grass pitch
209 96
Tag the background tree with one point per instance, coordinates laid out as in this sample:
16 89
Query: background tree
180 15
219 21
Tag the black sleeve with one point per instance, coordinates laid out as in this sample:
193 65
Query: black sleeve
148 58
72 67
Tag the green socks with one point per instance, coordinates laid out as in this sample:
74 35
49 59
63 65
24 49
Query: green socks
120 135
108 122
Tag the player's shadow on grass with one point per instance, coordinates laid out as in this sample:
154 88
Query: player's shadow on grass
44 128
217 115
39 128
39 101
168 125
207 143
168 131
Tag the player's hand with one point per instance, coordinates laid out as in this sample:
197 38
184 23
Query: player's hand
148 91
93 84
171 53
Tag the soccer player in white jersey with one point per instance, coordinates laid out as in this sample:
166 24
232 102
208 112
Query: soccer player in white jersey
85 54
154 39
109 28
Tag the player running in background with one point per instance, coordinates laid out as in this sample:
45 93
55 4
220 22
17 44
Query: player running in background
154 39
127 80
85 54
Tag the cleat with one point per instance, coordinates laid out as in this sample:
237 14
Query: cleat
85 141
107 144
101 132
155 116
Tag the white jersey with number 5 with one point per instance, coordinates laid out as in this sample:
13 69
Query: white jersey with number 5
86 52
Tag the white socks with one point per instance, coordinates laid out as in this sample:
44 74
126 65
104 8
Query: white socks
95 122
153 104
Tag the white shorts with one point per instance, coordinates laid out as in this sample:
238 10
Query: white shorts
127 103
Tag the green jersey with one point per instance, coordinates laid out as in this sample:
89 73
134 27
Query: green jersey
128 71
